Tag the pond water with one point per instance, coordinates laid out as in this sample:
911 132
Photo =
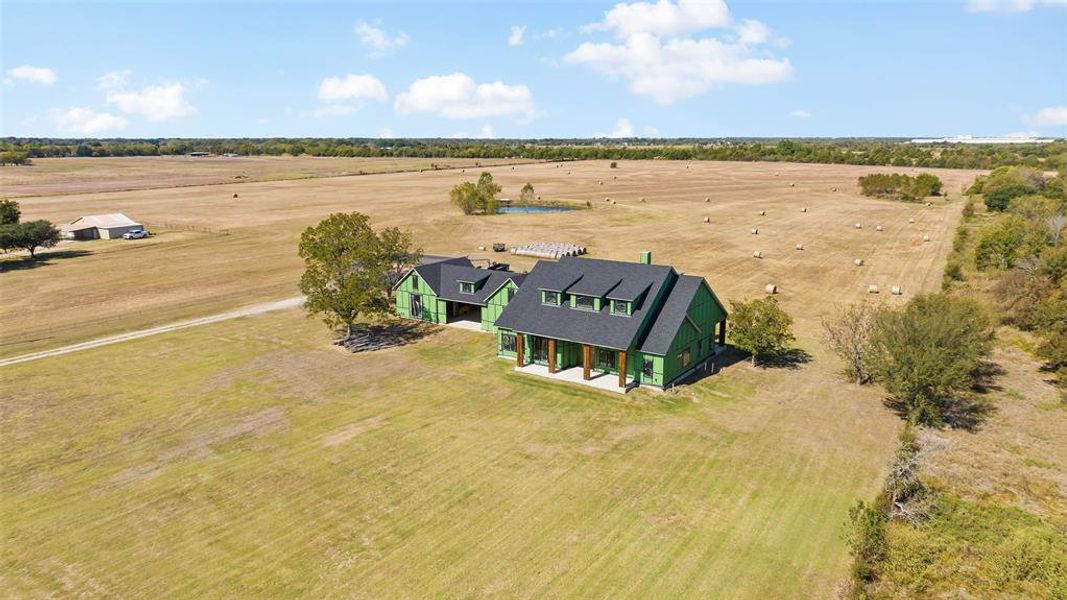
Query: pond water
532 209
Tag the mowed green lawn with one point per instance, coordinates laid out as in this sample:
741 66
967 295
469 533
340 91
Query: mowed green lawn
252 459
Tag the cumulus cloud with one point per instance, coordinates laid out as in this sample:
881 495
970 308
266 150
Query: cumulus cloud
155 102
625 129
515 38
800 114
32 74
457 96
663 17
83 120
1052 116
1009 6
352 87
378 41
656 52
486 132
113 80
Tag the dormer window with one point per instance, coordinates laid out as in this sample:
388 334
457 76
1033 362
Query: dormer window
466 287
552 298
620 307
585 302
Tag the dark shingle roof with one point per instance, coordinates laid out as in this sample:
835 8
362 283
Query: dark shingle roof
526 314
594 284
488 281
670 317
430 269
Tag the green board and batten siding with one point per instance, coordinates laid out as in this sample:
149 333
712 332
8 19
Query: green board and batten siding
434 309
705 312
495 305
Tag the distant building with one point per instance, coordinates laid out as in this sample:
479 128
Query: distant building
90 227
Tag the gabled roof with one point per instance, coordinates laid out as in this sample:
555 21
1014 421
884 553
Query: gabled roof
526 314
594 284
673 313
430 269
104 221
488 282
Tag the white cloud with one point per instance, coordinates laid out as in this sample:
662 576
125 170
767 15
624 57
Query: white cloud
486 132
800 113
352 87
386 133
517 31
663 17
41 75
678 68
1052 116
378 40
657 54
156 102
113 80
84 120
623 129
1009 6
457 96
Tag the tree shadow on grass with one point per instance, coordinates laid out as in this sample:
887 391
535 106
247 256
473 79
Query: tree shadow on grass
46 258
966 412
790 359
369 337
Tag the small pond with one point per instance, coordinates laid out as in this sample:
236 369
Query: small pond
532 209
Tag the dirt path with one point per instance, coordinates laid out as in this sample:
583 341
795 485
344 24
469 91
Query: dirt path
255 309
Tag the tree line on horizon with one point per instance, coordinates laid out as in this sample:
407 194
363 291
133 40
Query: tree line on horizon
855 151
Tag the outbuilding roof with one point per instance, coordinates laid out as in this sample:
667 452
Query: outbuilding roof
673 312
105 221
487 281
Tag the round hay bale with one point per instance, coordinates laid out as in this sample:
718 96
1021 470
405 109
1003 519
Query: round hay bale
879 228
539 197
804 209
755 231
792 185
800 246
235 195
762 212
706 199
607 199
776 173
463 170
858 262
707 219
929 204
859 225
757 254
614 202
833 189
895 290
642 198
770 288
872 289
614 177
926 238
601 182
481 248
911 220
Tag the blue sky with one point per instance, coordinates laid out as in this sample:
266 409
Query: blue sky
534 69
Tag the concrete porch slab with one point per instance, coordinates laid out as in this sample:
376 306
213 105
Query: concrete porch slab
607 382
466 324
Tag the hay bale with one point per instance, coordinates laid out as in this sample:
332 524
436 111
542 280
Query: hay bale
481 248
607 199
762 212
614 202
872 289
929 204
859 225
792 185
776 173
895 290
706 199
755 231
833 189
879 228
707 219
642 198
757 254
235 194
800 246
858 262
805 209
911 220
926 238
770 288
601 182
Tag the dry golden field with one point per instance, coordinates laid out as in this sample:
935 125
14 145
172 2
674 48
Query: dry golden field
215 252
251 458
50 176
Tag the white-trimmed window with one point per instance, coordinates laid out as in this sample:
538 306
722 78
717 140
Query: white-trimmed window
466 287
620 307
553 298
585 302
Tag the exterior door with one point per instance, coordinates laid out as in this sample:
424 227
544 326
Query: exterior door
539 350
416 306
605 360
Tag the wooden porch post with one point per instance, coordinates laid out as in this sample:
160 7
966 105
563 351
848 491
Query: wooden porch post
520 350
622 368
586 359
722 332
551 355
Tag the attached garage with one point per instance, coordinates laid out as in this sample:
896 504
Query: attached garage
109 227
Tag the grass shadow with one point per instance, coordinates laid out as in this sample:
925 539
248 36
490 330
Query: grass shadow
24 263
369 337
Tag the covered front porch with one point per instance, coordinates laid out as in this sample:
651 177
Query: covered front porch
602 368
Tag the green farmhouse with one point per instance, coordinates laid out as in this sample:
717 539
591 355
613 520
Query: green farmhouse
602 322
448 290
